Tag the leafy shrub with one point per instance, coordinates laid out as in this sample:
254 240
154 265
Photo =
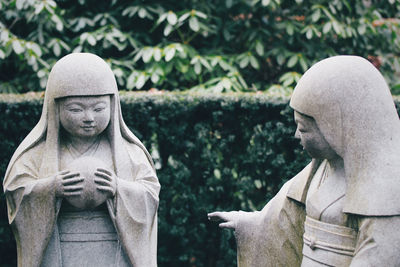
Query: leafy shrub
231 45
213 152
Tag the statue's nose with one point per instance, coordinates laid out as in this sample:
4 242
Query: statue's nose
88 117
297 134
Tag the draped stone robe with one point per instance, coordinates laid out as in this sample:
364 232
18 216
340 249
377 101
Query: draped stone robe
275 236
127 224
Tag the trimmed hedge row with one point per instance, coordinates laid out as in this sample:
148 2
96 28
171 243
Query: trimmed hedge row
213 152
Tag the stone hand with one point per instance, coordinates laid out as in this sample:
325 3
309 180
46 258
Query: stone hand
68 184
106 181
228 218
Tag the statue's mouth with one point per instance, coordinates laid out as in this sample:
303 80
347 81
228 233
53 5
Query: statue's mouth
88 127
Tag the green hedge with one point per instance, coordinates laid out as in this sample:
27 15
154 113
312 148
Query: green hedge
213 152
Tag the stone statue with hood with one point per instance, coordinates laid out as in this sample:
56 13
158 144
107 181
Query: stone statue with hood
81 188
343 209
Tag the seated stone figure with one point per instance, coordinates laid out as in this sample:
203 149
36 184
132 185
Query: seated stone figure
81 189
343 208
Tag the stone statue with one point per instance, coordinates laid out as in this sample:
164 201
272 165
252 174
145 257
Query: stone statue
343 208
81 189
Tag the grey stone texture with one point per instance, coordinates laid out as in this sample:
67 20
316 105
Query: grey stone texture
81 188
342 209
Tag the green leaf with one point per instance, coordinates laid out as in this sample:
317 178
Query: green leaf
265 2
200 14
17 47
19 4
205 63
58 22
142 13
118 72
157 54
194 24
259 48
147 54
292 61
130 83
56 49
225 66
155 78
218 88
303 64
138 55
4 35
258 184
141 80
51 3
226 83
91 40
244 62
184 17
362 28
39 8
41 73
169 53
290 29
280 59
337 27
35 48
172 18
316 15
197 68
161 18
167 29
309 33
194 59
217 174
327 27
288 81
254 63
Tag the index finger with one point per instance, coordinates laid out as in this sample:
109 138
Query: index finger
105 171
70 175
217 216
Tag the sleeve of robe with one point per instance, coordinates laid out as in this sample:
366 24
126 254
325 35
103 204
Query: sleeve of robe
378 242
135 210
274 235
30 198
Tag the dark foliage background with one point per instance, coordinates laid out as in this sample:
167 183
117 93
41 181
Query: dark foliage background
213 152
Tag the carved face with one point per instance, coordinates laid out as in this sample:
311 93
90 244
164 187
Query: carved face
85 116
311 138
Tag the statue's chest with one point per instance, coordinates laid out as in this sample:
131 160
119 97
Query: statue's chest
325 198
329 239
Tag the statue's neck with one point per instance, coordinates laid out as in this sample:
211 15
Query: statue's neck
81 144
336 168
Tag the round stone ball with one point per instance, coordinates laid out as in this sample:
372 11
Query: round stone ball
90 197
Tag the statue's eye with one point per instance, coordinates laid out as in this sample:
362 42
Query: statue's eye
75 110
302 130
98 109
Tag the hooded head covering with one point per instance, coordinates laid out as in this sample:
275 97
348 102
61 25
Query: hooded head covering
352 106
77 74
